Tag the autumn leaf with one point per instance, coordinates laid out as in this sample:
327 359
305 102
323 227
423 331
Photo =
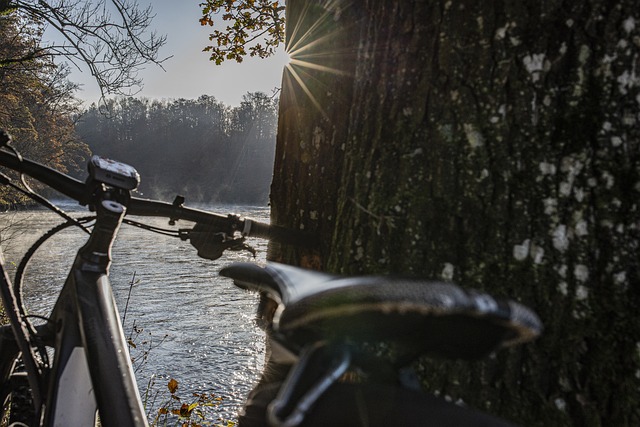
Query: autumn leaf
185 410
205 20
173 386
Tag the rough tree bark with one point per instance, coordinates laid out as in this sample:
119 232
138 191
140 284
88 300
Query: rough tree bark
314 107
494 144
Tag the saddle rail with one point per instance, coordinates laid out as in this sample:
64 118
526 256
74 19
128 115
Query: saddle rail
328 322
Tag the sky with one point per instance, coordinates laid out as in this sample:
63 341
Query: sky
189 73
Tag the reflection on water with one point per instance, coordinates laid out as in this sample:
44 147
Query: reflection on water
199 328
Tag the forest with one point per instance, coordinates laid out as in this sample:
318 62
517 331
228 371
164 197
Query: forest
201 148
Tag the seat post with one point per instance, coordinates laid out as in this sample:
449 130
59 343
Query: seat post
320 365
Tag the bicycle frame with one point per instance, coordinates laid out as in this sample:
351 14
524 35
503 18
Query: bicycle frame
92 369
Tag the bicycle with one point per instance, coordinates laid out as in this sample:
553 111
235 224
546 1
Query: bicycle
74 368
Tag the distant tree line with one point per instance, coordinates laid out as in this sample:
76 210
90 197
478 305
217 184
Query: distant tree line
201 148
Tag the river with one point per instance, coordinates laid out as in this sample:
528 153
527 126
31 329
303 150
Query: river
194 326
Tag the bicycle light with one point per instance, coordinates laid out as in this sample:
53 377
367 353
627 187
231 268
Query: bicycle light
113 173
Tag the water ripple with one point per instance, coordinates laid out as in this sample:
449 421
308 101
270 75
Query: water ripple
197 327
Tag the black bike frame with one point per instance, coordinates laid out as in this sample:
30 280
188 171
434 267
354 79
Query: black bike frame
91 350
92 369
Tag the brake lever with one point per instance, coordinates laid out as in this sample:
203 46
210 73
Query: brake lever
212 244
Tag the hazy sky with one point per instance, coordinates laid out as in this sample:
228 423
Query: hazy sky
189 73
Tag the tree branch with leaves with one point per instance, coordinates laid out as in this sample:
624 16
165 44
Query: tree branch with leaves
254 28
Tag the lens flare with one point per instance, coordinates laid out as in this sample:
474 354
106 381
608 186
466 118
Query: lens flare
314 52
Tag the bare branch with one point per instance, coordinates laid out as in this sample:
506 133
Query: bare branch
114 46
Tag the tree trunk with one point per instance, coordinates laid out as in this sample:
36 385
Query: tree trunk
494 144
314 107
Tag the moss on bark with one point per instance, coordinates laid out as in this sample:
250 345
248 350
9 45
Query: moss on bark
495 144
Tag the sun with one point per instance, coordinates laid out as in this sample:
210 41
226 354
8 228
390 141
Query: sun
314 51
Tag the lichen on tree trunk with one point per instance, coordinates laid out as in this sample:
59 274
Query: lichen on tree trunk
497 145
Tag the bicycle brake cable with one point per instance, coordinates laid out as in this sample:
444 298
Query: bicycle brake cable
20 270
34 247
152 228
19 275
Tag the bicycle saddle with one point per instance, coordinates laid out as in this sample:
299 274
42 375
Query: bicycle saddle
428 316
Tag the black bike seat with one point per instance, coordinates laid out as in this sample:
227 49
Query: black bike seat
429 316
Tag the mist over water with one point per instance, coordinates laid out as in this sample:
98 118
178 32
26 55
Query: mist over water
197 327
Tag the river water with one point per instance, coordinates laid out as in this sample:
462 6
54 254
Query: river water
187 322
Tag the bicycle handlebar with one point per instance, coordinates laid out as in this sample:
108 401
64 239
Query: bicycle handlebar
79 191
